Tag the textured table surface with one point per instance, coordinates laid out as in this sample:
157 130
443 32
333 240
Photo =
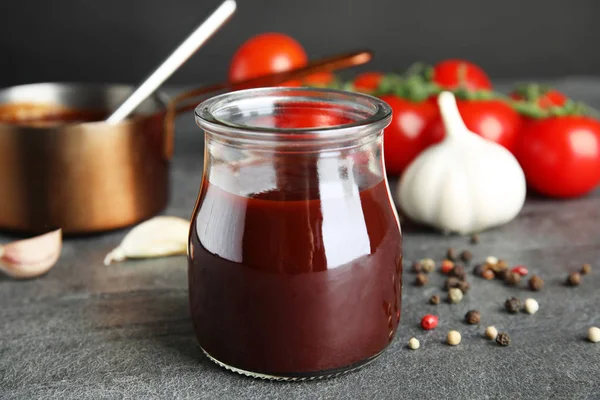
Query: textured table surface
86 331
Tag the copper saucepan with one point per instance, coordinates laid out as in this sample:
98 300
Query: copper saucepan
84 177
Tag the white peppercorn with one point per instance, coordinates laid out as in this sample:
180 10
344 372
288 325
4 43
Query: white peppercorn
453 338
594 334
455 295
531 306
413 343
491 332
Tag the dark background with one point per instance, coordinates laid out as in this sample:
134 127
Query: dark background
122 41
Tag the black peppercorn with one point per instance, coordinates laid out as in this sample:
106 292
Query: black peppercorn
574 279
451 254
417 267
473 317
466 256
536 283
478 269
512 279
435 299
513 305
503 339
463 286
586 269
421 280
451 282
502 274
474 238
459 272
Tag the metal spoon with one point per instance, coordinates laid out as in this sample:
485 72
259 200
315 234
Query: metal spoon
180 55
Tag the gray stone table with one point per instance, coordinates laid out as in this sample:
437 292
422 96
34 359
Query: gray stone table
86 331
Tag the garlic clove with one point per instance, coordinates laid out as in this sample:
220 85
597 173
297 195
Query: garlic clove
158 237
31 257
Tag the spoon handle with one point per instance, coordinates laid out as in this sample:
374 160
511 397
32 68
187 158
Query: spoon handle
180 55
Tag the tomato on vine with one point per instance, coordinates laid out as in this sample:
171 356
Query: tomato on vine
367 82
456 73
406 137
560 155
540 95
265 54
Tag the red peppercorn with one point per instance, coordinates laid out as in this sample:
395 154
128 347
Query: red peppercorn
521 270
429 322
447 266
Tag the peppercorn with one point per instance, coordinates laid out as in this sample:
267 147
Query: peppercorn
466 256
464 286
531 306
499 266
574 279
453 338
513 305
435 299
421 280
491 260
428 265
479 269
536 283
586 269
594 334
451 282
413 343
473 317
488 274
491 332
521 270
459 272
429 322
503 339
417 267
447 266
512 279
455 295
474 238
502 274
451 254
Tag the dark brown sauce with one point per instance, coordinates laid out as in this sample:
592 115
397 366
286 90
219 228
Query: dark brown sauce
291 285
45 114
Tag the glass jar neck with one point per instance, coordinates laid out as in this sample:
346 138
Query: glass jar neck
293 119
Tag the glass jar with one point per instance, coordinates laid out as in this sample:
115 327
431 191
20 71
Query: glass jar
295 251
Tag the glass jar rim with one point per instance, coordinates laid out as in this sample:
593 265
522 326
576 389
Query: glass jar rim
377 116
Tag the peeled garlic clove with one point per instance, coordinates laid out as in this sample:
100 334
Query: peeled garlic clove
32 257
157 237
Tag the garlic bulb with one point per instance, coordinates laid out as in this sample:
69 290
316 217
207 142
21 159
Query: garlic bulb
32 257
465 183
157 237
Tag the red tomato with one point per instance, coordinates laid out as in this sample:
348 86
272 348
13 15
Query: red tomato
407 135
545 99
319 79
367 82
453 73
561 155
492 119
266 54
